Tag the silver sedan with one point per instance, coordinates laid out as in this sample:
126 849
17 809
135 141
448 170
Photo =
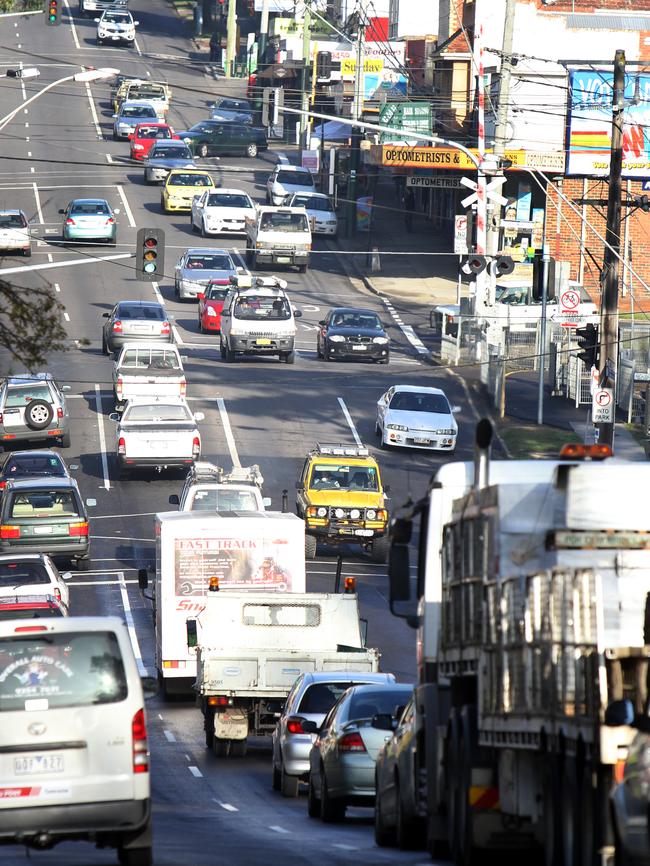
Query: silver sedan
165 156
200 266
342 760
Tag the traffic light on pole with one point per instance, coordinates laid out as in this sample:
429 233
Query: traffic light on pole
53 11
150 255
588 342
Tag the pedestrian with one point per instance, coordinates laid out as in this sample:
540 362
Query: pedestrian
215 46
409 206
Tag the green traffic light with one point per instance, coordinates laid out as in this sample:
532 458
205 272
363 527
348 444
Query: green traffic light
150 268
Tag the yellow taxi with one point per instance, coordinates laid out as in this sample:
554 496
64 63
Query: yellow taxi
342 501
181 186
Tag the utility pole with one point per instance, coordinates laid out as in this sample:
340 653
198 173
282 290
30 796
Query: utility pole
357 112
263 35
500 134
609 276
306 66
231 37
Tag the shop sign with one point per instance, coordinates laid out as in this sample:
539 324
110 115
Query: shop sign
449 182
450 158
406 116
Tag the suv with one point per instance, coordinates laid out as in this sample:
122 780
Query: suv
33 407
45 515
214 138
15 234
208 488
74 736
341 499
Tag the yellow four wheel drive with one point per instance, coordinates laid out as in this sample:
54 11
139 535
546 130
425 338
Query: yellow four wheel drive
341 499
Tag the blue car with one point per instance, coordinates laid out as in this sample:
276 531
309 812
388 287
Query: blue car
89 219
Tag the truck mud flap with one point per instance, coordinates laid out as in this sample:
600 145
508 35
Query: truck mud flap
231 724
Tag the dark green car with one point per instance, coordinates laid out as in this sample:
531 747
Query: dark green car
45 515
214 138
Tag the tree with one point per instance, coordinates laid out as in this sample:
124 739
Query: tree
31 324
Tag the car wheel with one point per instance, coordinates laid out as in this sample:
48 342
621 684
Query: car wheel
201 329
83 564
202 150
383 835
288 784
222 350
379 549
377 429
114 136
230 355
251 150
302 269
135 856
220 747
27 252
162 205
313 803
385 360
64 441
288 357
311 543
193 225
332 810
38 414
105 350
204 232
275 781
177 290
238 748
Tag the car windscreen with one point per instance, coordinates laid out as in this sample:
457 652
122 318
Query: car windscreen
237 104
161 359
154 132
23 395
12 221
284 222
43 503
176 151
146 91
95 208
59 669
312 203
261 307
216 293
408 401
22 573
116 18
153 313
203 127
296 178
210 262
366 321
341 476
367 703
138 111
224 500
22 465
221 199
181 179
321 697
156 412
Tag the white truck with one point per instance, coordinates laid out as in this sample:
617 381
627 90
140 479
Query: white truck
160 434
531 604
257 552
146 370
251 649
278 236
210 488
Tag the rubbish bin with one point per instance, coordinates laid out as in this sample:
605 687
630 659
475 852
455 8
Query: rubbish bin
198 19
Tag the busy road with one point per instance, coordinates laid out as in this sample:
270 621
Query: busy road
256 411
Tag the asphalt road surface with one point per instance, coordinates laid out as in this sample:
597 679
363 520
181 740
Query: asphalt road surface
258 411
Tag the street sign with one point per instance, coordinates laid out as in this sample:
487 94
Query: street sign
602 406
438 182
491 191
460 235
569 315
405 116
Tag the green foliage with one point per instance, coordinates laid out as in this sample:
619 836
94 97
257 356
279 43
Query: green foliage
30 324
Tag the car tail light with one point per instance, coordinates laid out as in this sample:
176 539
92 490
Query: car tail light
7 531
59 412
121 446
165 328
183 388
220 282
3 484
119 387
69 221
219 701
110 221
351 743
78 529
1 418
294 725
117 327
24 628
196 448
140 749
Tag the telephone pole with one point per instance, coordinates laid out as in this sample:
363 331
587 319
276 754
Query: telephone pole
609 276
355 137
231 37
263 35
306 66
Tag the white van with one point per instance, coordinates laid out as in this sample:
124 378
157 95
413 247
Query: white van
258 319
278 236
74 762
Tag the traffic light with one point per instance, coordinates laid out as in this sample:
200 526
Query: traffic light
324 66
588 342
474 265
53 12
150 255
501 266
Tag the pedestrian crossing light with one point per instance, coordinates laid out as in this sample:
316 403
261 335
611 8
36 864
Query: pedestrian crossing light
150 255
53 12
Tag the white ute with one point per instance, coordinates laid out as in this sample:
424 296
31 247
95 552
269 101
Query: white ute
146 370
209 488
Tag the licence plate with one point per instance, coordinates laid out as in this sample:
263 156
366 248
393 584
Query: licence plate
359 348
263 342
365 532
284 260
42 530
422 442
35 764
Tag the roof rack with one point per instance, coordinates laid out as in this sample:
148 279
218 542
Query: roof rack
339 450
270 282
205 471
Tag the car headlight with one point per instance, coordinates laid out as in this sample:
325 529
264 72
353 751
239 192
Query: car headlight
397 427
449 432
371 514
336 338
138 147
211 311
339 513
355 514
380 340
187 140
322 512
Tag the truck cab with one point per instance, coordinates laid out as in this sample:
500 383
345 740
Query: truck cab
278 236
209 488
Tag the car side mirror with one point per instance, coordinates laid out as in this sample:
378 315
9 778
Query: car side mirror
91 503
114 116
143 578
619 713
136 23
66 575
114 416
310 727
297 314
322 322
66 387
106 315
61 211
199 416
97 20
299 485
386 488
456 409
201 296
192 633
149 687
382 722
224 314
174 499
117 211
266 501
130 136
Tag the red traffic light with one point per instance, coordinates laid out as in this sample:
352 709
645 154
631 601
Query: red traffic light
151 242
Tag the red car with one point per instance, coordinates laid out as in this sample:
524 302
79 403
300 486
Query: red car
211 305
146 135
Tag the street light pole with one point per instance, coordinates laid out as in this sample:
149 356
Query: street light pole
357 112
263 35
306 64
231 35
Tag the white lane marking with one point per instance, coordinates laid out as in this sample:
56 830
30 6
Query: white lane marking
227 806
109 158
93 111
237 255
407 330
130 625
277 829
102 438
343 847
348 418
230 439
90 260
57 288
72 25
32 170
66 316
29 153
137 48
160 717
38 202
187 757
177 336
127 209
25 110
156 291
195 772
49 257
170 737
26 126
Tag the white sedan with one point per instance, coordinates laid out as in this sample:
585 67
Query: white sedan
221 212
32 574
320 210
411 416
